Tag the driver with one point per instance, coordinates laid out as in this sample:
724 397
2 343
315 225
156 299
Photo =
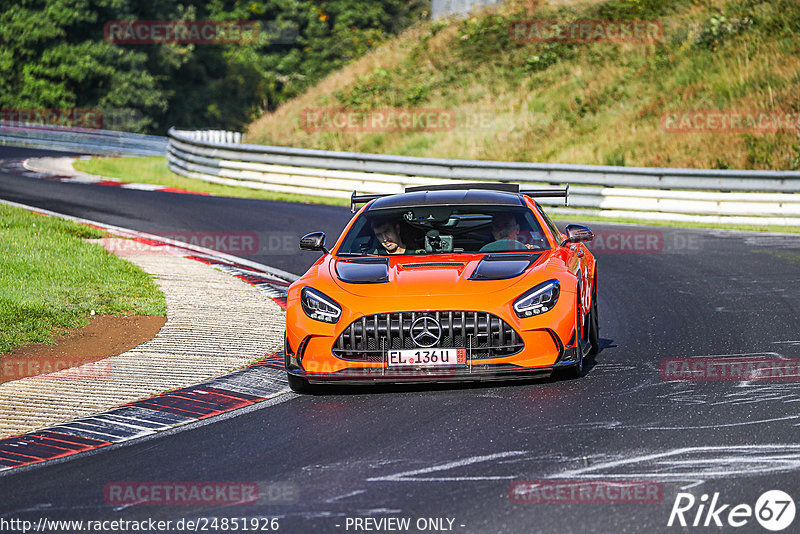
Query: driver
388 234
505 230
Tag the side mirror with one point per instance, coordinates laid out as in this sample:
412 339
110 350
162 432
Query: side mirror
313 241
577 233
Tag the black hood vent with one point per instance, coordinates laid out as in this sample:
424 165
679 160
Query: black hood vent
363 270
503 266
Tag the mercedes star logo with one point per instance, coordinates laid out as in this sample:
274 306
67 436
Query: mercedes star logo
426 331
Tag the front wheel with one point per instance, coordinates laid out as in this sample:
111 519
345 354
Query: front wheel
594 324
576 370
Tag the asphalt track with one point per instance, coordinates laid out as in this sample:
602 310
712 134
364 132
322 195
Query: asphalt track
452 451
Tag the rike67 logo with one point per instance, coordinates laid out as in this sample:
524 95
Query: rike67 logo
774 510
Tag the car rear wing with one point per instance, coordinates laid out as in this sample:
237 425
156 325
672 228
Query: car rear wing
356 199
548 193
362 199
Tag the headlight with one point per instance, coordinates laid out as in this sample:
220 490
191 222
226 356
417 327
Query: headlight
319 307
538 300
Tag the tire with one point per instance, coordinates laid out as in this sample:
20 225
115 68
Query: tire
594 323
576 371
298 384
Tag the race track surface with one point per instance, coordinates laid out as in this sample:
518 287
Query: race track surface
453 452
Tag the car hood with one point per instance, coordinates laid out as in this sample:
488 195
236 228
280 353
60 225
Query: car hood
443 275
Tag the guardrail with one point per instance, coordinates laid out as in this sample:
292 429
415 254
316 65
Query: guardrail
82 140
739 197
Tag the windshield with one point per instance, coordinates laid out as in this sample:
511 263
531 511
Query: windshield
443 230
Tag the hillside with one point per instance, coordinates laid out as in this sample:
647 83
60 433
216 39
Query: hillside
575 102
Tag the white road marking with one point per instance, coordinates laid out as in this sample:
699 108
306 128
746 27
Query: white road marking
719 462
742 423
346 495
410 476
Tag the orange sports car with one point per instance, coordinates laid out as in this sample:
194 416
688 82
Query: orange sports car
442 283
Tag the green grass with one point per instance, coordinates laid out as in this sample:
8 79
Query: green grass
154 170
51 279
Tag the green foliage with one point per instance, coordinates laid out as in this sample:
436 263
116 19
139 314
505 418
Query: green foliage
638 9
546 55
482 37
367 90
719 28
720 163
53 55
794 157
616 157
760 150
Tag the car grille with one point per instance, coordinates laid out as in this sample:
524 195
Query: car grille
491 337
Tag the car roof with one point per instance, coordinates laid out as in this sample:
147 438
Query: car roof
468 197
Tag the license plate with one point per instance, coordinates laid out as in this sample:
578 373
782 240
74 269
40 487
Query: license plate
427 357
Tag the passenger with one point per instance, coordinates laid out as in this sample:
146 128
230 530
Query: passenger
505 230
387 232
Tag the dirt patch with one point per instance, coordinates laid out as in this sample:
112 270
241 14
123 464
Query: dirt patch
104 336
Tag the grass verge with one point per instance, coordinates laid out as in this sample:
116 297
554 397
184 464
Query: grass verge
154 170
51 280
